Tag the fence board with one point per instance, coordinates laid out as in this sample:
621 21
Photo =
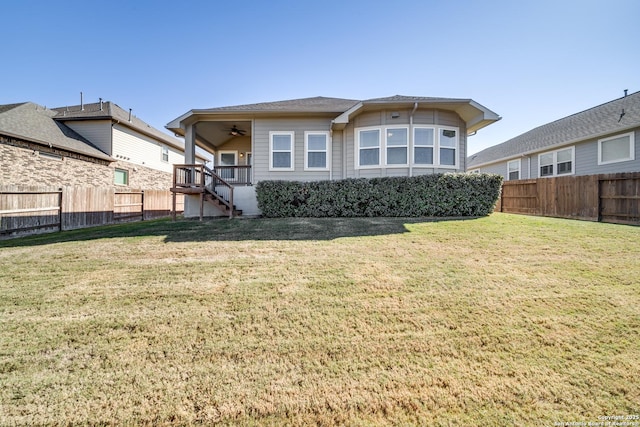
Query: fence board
127 206
608 198
620 199
86 207
28 209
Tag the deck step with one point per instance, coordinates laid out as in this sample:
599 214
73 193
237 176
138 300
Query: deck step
214 201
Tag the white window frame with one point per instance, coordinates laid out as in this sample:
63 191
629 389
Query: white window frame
386 130
456 155
555 162
292 162
432 146
164 151
327 151
230 174
632 148
380 163
382 147
519 162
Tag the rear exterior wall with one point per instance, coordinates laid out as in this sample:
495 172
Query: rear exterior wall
27 163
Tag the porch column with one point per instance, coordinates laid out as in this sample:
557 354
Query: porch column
190 145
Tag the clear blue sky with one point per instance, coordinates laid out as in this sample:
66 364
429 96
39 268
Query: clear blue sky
531 62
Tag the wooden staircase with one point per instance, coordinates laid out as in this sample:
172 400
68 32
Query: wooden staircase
199 179
214 199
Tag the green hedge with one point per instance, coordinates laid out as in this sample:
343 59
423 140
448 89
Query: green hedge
439 195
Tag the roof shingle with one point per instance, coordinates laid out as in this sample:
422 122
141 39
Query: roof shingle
34 123
111 111
592 123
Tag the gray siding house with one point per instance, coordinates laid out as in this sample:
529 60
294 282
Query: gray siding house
599 140
329 139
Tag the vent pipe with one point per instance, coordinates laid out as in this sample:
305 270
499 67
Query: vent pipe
129 114
100 104
625 92
81 103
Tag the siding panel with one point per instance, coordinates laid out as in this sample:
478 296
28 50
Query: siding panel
140 149
261 147
96 131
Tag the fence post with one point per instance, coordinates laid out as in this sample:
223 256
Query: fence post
142 204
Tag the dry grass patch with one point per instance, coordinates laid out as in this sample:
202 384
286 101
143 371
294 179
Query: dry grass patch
500 320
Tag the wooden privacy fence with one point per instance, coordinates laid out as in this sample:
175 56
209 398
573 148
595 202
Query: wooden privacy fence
26 210
607 198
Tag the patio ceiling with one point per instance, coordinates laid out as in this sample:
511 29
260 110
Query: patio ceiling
211 135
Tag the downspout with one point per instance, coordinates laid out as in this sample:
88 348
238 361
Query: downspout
411 149
329 162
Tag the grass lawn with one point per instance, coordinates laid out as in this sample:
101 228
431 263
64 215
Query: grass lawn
502 320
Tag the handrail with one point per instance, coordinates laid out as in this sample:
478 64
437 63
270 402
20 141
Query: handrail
237 174
213 182
201 177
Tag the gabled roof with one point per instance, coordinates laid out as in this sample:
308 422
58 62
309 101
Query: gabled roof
595 122
318 104
110 111
31 122
475 115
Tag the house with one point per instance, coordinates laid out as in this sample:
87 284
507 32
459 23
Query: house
599 140
321 139
87 145
144 156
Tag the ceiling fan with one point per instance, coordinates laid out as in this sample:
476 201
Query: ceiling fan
234 131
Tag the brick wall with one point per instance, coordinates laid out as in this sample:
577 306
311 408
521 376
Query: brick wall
27 163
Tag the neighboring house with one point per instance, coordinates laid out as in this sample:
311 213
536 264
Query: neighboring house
144 155
329 139
599 140
91 147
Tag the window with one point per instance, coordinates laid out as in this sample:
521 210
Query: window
397 142
423 141
436 146
448 140
281 152
546 164
369 147
556 163
513 170
121 177
316 147
564 160
165 154
227 158
619 148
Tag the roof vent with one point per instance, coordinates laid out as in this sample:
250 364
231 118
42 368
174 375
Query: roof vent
100 104
625 92
81 103
129 114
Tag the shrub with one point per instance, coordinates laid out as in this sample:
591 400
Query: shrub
438 195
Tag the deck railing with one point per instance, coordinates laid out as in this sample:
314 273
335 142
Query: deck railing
237 175
198 178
